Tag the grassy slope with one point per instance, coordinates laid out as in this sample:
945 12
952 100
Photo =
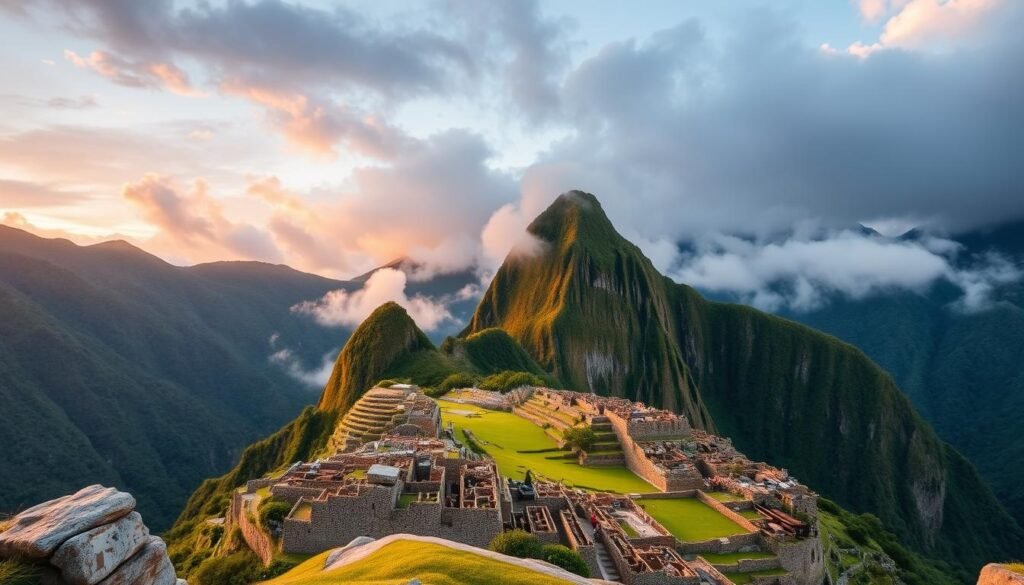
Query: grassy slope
105 351
594 311
430 563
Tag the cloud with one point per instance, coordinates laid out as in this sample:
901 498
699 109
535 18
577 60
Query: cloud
315 377
29 194
341 307
134 73
318 127
529 51
289 59
430 204
925 23
195 220
682 132
84 102
805 274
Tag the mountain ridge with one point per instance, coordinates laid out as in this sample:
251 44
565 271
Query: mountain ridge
782 390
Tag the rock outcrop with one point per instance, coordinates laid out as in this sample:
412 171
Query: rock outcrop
91 537
995 574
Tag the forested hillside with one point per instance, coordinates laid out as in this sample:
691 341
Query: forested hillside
121 369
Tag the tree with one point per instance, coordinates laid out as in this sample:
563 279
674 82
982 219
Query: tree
518 543
568 559
528 480
580 438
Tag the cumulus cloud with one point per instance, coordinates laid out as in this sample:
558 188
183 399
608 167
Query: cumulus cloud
195 220
804 274
350 308
430 204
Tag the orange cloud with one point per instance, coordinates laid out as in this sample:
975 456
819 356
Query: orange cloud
135 74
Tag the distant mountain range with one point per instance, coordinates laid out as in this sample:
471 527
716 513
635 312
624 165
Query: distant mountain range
121 369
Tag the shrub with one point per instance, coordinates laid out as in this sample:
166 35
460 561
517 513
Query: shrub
568 559
518 543
457 380
239 568
273 510
386 383
580 438
509 380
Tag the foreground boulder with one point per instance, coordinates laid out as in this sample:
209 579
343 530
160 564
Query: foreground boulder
92 555
92 537
38 531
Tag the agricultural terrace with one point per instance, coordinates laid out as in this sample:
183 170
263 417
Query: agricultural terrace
691 520
518 445
398 562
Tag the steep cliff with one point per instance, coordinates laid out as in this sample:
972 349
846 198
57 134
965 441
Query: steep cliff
596 313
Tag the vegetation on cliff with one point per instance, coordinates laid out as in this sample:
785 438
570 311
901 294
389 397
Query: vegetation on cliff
192 540
596 314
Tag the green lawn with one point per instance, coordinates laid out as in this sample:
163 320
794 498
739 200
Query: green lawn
691 520
398 562
505 435
751 514
725 496
733 558
405 499
744 578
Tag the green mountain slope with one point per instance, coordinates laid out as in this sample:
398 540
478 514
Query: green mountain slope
381 342
961 370
594 312
118 368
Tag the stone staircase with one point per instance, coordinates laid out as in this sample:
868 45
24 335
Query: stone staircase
604 560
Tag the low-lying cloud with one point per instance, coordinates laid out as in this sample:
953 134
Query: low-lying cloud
292 365
802 274
350 308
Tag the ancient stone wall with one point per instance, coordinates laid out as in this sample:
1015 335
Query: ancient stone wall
803 559
730 544
336 521
257 539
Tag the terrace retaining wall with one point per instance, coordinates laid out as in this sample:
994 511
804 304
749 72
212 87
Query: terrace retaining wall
726 511
803 559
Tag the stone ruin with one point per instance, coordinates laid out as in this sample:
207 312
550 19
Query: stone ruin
90 537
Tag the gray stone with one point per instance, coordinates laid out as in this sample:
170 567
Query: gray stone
38 531
181 582
92 555
149 566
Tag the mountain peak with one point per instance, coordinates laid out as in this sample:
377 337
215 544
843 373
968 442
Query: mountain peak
387 335
576 217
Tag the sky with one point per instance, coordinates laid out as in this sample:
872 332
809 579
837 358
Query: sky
337 136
